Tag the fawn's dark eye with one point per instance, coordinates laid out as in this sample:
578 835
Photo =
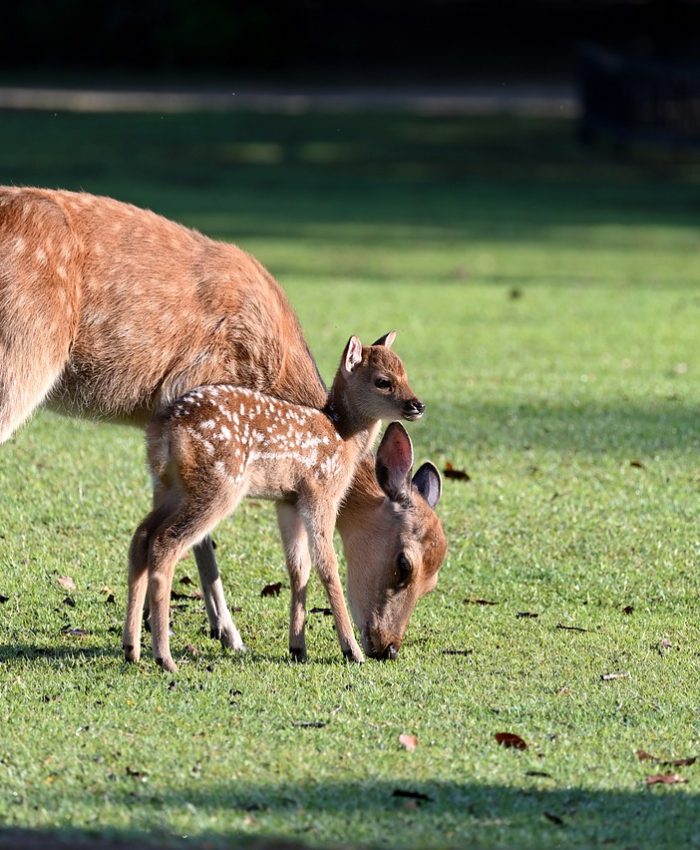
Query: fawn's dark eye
382 383
404 567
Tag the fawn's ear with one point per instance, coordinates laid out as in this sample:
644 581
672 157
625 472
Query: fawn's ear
428 482
394 461
352 356
386 340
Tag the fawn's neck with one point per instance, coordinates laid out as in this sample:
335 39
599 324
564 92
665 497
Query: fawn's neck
349 421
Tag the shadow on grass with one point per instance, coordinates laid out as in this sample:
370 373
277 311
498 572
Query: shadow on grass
402 814
665 424
384 179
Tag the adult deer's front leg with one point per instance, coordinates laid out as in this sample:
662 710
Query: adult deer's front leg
319 525
220 620
296 549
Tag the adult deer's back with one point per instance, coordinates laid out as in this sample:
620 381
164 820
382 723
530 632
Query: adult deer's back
109 310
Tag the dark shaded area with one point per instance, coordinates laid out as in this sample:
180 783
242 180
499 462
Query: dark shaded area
381 41
454 812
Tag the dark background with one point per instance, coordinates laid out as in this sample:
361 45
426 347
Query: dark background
360 41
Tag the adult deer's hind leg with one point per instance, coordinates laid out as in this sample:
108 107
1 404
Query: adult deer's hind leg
220 620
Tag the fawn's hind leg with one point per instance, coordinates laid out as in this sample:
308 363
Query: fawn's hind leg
220 620
296 549
138 580
193 520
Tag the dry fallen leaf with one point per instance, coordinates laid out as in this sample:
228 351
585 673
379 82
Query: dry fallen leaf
476 601
643 755
554 818
510 740
571 628
457 651
526 615
628 609
408 742
186 580
455 474
637 464
192 650
620 674
68 630
665 779
4 598
66 582
272 589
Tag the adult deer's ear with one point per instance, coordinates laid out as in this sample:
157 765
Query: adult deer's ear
428 482
352 356
387 340
393 463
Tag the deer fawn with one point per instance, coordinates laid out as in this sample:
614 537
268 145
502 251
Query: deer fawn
216 444
110 311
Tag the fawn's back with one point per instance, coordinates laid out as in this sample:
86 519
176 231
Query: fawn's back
268 447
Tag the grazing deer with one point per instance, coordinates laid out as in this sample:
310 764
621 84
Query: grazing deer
110 311
217 444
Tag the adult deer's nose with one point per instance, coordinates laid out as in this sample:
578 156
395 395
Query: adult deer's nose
390 653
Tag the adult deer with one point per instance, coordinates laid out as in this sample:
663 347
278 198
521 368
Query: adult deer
219 443
110 311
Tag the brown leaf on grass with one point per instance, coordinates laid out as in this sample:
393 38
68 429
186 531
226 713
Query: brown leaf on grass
272 589
309 724
192 650
637 464
196 594
571 628
665 779
408 742
664 645
455 474
554 818
619 674
66 582
327 612
136 774
628 609
510 740
526 615
542 773
457 651
69 601
476 601
643 755
110 600
4 598
186 580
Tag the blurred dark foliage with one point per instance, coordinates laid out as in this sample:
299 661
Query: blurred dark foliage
450 39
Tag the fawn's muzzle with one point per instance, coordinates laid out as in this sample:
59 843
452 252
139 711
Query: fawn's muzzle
413 409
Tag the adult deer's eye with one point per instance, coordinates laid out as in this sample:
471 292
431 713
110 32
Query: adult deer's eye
382 383
404 567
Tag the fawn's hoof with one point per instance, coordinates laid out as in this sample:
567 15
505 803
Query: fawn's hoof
167 664
298 654
131 653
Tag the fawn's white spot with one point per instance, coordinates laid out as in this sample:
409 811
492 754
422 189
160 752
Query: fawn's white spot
40 256
225 433
19 245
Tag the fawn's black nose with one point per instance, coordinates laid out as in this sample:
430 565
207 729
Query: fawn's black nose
413 409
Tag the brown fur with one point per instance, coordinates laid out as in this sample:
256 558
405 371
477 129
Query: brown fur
219 443
110 311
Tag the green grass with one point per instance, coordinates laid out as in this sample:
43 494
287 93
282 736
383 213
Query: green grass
547 304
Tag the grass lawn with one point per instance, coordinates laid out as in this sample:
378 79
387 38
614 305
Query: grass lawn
548 306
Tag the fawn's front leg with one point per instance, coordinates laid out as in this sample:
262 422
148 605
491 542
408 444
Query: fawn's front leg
296 549
220 620
320 521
